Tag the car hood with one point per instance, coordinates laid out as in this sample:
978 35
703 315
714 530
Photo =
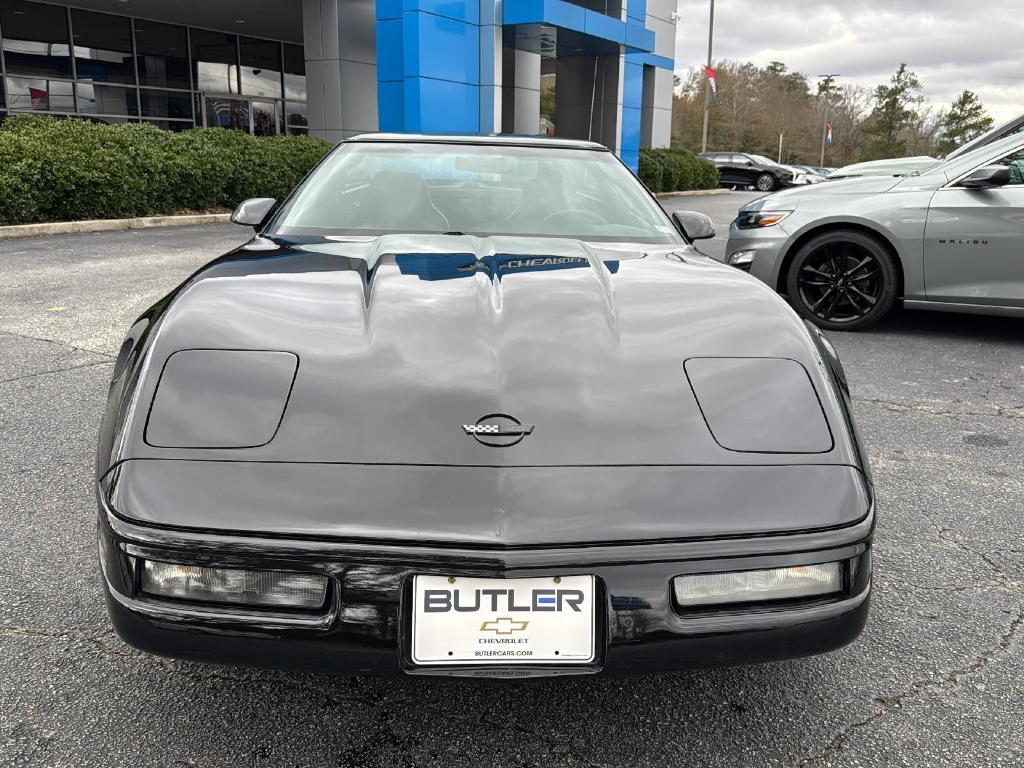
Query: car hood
867 185
402 340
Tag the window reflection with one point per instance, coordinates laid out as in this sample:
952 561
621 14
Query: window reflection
39 95
296 118
162 53
166 104
127 69
232 114
215 61
294 73
96 98
261 67
103 47
171 125
35 39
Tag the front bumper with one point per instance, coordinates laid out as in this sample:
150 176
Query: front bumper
365 627
768 246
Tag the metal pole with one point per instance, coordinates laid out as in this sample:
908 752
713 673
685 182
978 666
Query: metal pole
828 77
824 133
707 84
780 147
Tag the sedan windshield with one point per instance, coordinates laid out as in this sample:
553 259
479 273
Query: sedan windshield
373 188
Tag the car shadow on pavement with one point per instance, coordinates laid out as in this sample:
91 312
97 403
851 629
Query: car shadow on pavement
950 325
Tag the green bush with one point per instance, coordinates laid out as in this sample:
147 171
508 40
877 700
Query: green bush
670 170
651 170
65 170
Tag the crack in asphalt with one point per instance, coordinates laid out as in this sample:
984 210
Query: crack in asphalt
1000 411
887 703
58 343
25 376
948 536
979 662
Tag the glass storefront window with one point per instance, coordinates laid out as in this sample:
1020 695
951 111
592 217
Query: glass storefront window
214 61
111 68
166 104
39 95
264 118
171 125
228 113
261 67
295 117
35 39
113 120
162 53
100 99
103 47
294 73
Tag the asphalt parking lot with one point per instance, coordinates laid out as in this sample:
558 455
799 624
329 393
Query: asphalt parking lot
934 680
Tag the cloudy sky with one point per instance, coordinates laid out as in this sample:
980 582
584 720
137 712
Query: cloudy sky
950 44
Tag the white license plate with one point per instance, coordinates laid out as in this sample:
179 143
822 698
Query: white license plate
503 621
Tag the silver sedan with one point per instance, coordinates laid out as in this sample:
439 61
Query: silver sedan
949 238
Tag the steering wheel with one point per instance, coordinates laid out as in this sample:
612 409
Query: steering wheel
575 212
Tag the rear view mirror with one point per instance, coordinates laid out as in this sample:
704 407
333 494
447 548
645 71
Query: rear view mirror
988 177
693 225
253 212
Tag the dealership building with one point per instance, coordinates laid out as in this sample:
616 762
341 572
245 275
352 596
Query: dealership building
587 69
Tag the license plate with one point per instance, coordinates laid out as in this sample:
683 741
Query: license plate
503 621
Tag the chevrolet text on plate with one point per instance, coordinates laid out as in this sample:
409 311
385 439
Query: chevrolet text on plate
477 406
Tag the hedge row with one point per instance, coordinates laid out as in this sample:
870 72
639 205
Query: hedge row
672 170
66 170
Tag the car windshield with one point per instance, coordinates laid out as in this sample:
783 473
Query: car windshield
377 187
762 160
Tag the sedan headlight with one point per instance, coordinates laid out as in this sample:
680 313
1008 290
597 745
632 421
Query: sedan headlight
790 583
237 586
760 219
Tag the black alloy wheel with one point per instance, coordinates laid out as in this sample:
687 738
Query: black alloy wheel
765 182
842 280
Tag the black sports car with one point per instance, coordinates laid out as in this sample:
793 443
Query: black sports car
741 169
471 405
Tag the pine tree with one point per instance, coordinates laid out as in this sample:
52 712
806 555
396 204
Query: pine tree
966 120
896 105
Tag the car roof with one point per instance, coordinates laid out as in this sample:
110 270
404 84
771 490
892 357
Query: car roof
508 140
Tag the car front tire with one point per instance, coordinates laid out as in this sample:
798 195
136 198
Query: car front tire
842 280
765 182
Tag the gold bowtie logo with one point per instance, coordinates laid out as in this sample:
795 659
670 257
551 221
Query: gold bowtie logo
505 625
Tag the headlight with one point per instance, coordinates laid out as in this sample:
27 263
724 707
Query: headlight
758 586
759 219
234 585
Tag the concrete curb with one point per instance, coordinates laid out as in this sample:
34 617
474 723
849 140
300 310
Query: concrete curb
694 193
110 225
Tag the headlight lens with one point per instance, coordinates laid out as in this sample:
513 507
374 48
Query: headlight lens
234 585
758 586
760 219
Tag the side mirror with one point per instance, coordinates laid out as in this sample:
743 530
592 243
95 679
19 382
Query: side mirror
693 225
748 162
988 177
253 212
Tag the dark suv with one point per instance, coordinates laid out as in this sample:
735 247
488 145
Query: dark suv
736 169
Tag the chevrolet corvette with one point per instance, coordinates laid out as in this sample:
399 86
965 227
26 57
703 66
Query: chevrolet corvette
477 406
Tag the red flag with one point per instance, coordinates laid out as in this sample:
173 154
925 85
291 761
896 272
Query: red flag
39 98
712 81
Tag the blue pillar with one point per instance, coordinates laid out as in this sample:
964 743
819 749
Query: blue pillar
435 45
390 66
